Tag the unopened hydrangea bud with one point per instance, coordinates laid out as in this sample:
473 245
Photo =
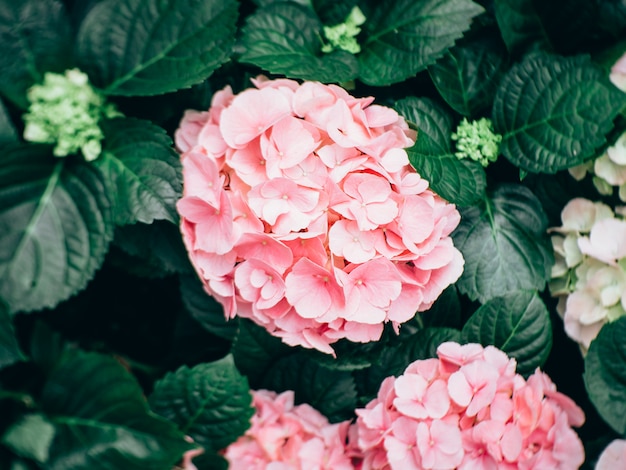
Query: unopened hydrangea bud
343 35
65 110
477 140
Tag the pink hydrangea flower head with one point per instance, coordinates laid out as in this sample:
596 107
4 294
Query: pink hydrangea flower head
613 456
300 211
468 409
287 436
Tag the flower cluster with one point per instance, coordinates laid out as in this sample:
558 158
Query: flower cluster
289 437
589 272
468 409
343 35
301 212
477 141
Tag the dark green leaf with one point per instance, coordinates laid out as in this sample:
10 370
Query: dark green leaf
520 25
286 38
459 181
505 245
205 309
211 403
148 47
332 392
404 37
8 134
332 12
142 171
30 437
255 351
517 323
10 352
605 374
554 112
445 312
55 227
102 419
468 75
36 38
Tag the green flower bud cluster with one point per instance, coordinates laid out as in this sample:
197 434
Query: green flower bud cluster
343 36
477 140
65 110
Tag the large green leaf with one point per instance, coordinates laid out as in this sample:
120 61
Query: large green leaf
10 351
332 392
210 402
403 37
520 25
468 75
55 226
102 419
459 181
285 38
504 243
142 171
554 112
605 374
148 47
36 38
30 437
517 323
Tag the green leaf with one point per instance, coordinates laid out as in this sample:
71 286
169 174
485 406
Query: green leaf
504 243
255 351
332 392
142 171
403 37
36 38
205 309
605 374
445 312
102 419
149 47
468 75
520 26
554 112
332 12
55 227
211 402
10 351
286 38
8 134
459 181
30 437
517 323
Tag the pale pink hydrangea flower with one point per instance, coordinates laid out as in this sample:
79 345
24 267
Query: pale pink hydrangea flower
301 212
588 275
618 73
613 456
284 436
469 410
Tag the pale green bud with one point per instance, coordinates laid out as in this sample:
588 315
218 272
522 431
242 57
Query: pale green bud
477 140
65 110
343 36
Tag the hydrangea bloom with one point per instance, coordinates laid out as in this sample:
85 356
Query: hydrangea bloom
469 409
300 211
613 456
288 437
588 275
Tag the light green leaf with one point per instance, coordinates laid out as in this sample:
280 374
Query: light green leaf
30 437
102 419
149 47
520 26
459 181
142 171
36 38
55 227
554 112
286 38
504 243
211 402
332 392
468 75
10 351
517 323
605 374
403 37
